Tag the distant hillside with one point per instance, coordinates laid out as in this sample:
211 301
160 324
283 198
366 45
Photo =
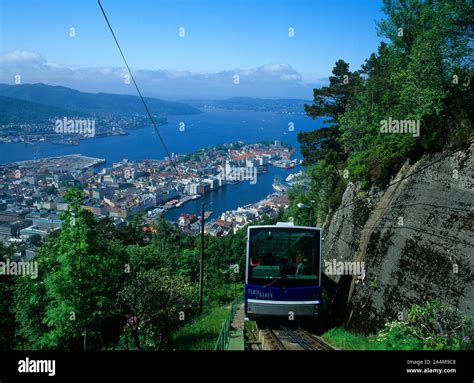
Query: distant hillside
96 103
255 104
16 111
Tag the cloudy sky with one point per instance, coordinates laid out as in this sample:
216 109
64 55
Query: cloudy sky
248 38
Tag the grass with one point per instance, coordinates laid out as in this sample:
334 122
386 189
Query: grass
346 340
201 334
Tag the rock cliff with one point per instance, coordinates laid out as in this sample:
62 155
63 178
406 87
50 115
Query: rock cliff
415 240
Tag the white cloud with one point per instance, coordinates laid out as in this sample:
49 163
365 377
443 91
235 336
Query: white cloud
21 57
274 80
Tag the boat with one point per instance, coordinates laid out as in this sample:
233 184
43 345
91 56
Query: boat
156 211
292 176
279 187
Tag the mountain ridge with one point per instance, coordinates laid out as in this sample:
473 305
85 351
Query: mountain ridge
95 103
18 111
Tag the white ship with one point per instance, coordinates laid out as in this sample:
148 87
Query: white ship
292 176
279 187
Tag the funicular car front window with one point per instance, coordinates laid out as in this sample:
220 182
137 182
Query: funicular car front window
283 253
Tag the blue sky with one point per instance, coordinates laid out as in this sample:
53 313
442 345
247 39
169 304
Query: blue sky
222 36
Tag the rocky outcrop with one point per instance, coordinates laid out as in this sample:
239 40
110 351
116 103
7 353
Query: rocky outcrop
340 239
415 239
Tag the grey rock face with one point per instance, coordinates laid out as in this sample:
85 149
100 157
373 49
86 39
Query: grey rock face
421 244
342 228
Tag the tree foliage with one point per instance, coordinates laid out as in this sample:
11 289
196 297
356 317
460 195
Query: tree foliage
99 284
80 273
156 303
7 318
421 72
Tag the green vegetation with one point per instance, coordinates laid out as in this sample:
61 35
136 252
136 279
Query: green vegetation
202 333
434 326
421 72
69 306
36 240
7 318
345 340
100 287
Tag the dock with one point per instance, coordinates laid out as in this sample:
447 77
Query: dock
69 161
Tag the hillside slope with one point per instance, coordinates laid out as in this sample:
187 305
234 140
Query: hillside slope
16 111
415 238
100 103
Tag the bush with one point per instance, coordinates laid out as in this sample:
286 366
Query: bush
435 326
156 304
358 168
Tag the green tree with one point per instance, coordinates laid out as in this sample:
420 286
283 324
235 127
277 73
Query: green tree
188 264
49 190
156 304
421 72
331 101
435 39
7 319
35 240
73 297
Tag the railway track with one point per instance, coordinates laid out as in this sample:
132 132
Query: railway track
270 340
307 341
285 338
